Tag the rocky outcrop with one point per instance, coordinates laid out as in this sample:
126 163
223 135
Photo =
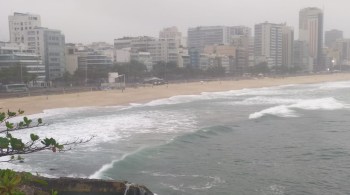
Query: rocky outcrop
77 186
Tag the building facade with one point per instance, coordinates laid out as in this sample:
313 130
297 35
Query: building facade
332 36
301 57
268 44
311 31
287 46
19 23
12 55
50 46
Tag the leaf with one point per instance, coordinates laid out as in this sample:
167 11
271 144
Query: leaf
34 137
4 143
27 121
2 116
11 114
20 111
40 121
16 144
9 125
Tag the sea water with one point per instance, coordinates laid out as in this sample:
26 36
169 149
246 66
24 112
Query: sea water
292 139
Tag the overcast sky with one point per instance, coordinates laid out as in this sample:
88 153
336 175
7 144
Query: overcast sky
89 21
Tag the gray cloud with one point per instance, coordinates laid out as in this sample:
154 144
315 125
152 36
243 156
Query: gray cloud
103 20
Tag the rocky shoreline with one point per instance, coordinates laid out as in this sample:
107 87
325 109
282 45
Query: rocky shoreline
74 186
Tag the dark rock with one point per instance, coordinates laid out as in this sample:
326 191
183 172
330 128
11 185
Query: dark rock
78 186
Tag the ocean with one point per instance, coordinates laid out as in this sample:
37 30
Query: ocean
292 139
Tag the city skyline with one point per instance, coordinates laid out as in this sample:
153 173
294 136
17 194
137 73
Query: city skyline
90 21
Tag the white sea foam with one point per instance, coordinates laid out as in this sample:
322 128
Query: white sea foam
280 111
329 103
334 85
99 173
262 100
206 182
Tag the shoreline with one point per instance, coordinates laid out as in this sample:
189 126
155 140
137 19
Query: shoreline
37 104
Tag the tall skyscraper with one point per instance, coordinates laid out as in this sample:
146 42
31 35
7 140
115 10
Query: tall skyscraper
19 23
311 31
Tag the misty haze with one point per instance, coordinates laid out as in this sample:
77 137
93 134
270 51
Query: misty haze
175 97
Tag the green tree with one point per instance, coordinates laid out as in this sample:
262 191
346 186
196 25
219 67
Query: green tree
15 74
133 70
262 67
215 71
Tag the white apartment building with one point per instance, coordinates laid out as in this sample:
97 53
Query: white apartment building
123 55
165 49
19 23
268 44
50 46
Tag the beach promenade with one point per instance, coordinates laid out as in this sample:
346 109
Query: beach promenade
37 104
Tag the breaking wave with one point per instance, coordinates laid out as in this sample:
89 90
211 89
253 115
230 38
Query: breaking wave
286 111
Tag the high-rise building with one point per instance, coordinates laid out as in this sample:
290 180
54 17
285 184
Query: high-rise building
50 46
200 37
287 46
19 23
311 31
268 43
332 36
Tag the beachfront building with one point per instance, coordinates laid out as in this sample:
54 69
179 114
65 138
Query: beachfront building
166 48
19 23
343 46
49 44
93 64
287 46
311 31
71 58
199 37
268 44
202 36
122 55
301 57
332 36
13 54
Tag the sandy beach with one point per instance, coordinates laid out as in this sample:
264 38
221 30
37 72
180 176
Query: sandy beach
37 104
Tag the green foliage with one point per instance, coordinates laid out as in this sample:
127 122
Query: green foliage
133 70
260 68
216 71
11 146
10 182
14 75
